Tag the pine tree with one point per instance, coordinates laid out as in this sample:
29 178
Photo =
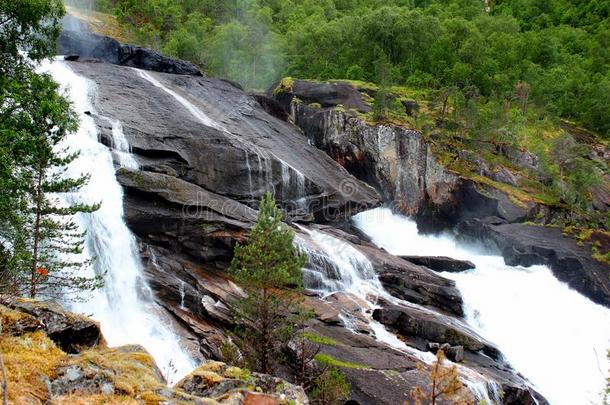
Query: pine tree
383 96
48 239
39 241
445 384
268 267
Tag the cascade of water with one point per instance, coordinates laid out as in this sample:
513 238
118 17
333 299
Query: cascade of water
121 147
554 336
123 306
182 294
335 265
293 185
196 112
263 158
207 121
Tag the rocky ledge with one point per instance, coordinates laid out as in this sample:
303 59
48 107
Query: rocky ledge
38 370
87 45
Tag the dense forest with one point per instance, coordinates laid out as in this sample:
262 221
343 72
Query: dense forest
559 50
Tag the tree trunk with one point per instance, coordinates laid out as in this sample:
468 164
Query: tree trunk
35 253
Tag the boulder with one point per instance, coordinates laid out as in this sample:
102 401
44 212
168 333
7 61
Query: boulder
217 380
413 322
440 263
38 371
107 372
71 332
504 175
453 353
271 106
326 94
411 106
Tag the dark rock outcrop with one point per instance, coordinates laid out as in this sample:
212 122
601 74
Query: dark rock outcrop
201 174
416 323
71 332
88 45
216 380
440 263
453 353
400 278
326 94
401 165
383 375
526 245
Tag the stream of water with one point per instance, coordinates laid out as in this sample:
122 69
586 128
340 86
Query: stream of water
124 306
553 335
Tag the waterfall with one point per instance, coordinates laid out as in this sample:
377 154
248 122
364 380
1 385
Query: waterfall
554 336
124 306
336 266
121 147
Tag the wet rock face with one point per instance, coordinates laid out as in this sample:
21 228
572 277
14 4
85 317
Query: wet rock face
203 168
396 161
415 323
440 263
222 141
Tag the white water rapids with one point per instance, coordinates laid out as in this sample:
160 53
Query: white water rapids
124 306
554 336
336 266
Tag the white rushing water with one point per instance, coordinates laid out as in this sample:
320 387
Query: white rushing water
336 266
554 336
124 306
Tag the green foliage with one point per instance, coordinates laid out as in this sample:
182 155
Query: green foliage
28 29
40 242
331 361
268 267
560 50
319 339
330 389
383 96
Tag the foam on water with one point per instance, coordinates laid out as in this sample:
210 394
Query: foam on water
553 335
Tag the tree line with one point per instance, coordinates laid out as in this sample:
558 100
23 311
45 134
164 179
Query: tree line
559 48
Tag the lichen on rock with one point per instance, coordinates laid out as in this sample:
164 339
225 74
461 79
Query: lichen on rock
38 370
